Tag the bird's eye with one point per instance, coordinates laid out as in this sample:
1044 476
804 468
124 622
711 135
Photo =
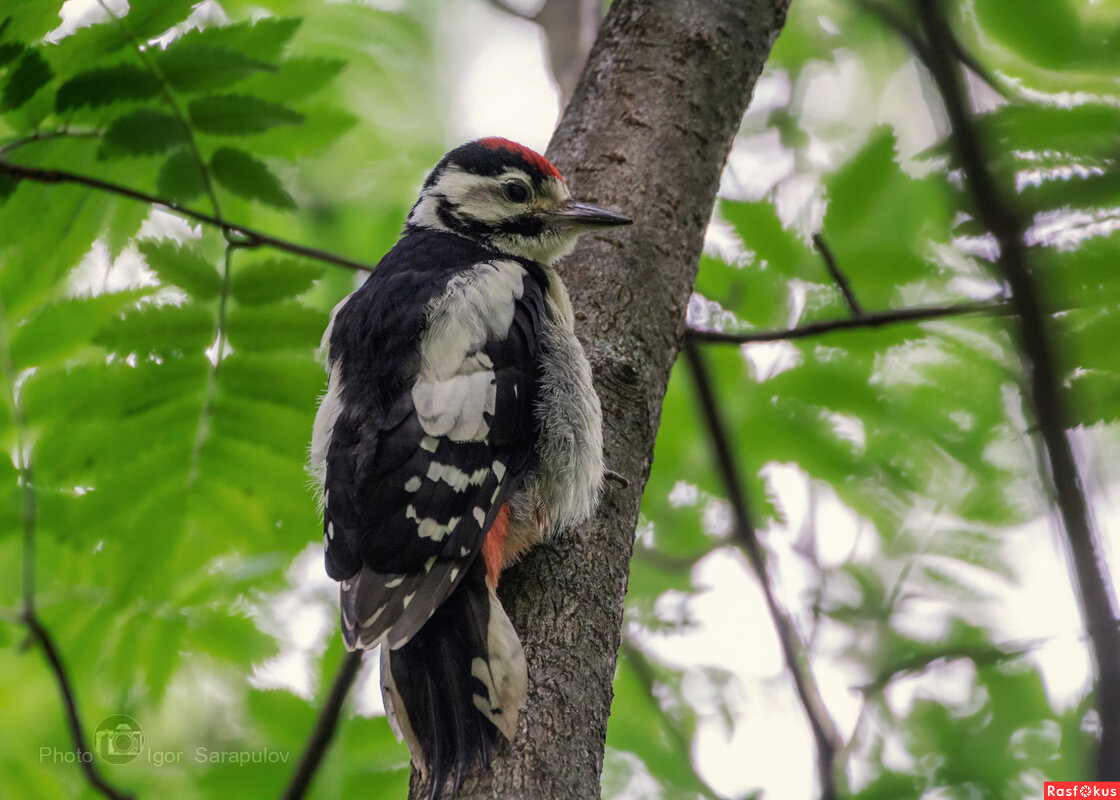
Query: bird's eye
516 192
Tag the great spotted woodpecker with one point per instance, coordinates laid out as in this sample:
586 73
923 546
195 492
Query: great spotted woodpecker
459 428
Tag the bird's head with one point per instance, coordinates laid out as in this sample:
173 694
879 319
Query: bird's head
507 197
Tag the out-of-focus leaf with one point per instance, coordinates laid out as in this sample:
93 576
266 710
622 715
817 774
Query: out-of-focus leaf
239 114
30 74
269 281
1090 191
279 326
246 176
142 132
159 330
1047 36
100 87
10 51
263 39
191 67
181 265
180 178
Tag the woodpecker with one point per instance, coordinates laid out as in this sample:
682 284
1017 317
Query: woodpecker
459 428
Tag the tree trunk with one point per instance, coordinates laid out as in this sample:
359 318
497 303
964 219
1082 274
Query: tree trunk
647 132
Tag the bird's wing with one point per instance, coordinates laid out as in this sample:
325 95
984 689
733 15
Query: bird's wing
413 483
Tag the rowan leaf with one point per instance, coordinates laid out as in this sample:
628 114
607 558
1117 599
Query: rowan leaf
30 74
239 114
142 132
180 178
101 87
247 177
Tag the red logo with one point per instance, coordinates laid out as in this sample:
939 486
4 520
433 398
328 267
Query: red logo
1081 789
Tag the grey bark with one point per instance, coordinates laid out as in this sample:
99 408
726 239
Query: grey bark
647 132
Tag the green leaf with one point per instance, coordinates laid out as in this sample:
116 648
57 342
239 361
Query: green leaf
264 39
183 266
191 67
269 281
275 327
100 87
10 51
62 329
142 132
239 114
180 178
1048 35
249 178
7 186
296 77
1091 191
30 75
159 330
1090 128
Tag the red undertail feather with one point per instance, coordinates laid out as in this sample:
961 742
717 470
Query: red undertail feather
495 542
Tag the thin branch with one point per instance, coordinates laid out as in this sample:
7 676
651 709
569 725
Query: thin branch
325 727
251 237
838 276
678 738
1042 378
46 136
73 718
870 319
825 734
28 518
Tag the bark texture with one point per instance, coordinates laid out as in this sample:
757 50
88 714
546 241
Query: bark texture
647 132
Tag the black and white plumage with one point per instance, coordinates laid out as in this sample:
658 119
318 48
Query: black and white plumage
459 427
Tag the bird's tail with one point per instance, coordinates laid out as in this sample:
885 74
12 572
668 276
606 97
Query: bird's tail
456 683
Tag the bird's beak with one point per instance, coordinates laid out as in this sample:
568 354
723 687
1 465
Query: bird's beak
585 215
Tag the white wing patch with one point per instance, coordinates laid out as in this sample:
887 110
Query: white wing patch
428 528
456 386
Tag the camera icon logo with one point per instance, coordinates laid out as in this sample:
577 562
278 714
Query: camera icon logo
118 739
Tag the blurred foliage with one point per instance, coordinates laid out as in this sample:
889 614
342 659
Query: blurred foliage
162 385
915 431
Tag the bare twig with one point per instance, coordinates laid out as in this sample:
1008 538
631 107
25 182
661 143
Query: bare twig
838 276
28 518
325 727
995 210
825 734
73 718
251 237
869 319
